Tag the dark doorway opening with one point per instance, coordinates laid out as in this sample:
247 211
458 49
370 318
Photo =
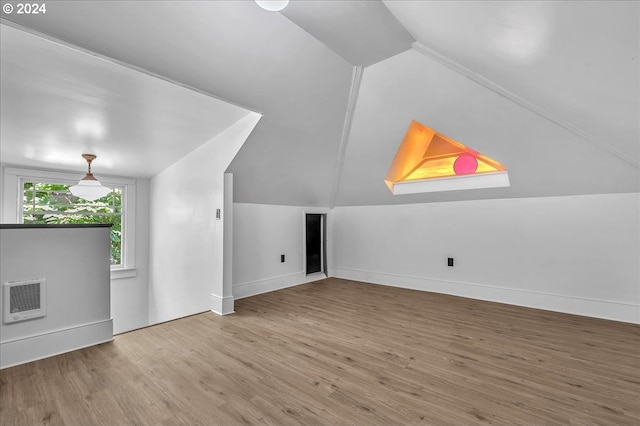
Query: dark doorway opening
315 247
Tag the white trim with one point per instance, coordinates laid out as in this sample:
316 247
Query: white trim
496 88
356 80
55 342
222 305
266 280
266 285
452 183
12 205
606 309
121 273
227 236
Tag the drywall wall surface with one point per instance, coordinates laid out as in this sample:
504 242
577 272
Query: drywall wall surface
186 244
130 295
74 261
261 234
576 254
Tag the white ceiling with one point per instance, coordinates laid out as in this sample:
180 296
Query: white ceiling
237 51
58 103
542 158
363 32
578 60
550 89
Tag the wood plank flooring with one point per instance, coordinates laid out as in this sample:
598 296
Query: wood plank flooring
338 352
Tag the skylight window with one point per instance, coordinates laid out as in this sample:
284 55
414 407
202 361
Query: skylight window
428 161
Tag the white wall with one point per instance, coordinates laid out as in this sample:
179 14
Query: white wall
75 263
130 296
261 234
576 254
186 244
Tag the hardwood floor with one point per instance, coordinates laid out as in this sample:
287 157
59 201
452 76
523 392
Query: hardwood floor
343 352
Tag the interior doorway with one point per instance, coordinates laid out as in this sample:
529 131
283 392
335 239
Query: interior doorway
316 251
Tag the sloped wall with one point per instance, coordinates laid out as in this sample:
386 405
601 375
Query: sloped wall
576 254
543 158
186 239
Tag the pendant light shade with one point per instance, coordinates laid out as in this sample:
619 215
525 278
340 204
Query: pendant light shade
89 188
272 5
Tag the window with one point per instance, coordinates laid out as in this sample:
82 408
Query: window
428 161
40 196
53 203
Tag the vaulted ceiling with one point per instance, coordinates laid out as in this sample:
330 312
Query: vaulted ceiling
549 89
59 102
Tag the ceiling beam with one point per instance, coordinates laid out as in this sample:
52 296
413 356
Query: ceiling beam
356 79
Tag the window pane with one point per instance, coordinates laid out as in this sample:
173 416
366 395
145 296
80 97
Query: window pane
53 203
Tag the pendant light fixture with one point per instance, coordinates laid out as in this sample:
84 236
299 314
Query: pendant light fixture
272 5
89 188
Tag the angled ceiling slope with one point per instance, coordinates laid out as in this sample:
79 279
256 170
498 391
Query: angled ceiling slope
566 122
543 158
576 63
363 32
239 52
59 102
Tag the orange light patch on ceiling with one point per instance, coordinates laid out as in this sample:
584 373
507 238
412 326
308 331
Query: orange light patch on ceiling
429 161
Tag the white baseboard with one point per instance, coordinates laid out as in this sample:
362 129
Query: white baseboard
32 348
266 285
222 305
605 309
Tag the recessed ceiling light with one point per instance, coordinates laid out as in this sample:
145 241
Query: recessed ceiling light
272 5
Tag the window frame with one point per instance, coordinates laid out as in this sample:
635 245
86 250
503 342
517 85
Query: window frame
16 177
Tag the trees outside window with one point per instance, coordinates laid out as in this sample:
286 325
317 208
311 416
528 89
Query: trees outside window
53 203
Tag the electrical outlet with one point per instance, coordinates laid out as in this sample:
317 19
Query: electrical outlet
282 258
450 261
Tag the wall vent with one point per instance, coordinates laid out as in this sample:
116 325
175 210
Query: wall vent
24 300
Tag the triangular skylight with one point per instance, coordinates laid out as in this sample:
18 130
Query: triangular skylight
428 161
